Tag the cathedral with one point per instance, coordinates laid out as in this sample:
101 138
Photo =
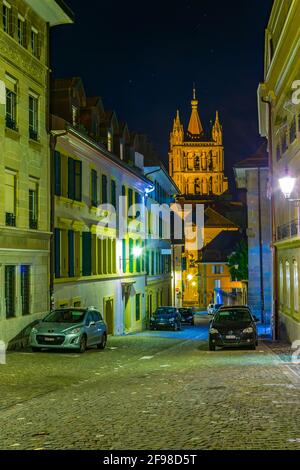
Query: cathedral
196 161
196 164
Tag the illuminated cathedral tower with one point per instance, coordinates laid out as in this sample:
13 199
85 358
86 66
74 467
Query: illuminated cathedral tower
196 162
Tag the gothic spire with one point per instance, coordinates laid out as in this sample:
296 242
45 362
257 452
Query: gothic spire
195 127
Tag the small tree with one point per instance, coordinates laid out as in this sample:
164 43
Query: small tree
238 262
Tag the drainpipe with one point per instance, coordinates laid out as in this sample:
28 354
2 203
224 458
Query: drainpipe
273 225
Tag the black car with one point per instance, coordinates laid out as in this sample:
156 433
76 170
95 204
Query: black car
186 315
166 317
233 327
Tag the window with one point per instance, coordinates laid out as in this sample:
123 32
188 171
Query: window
217 284
124 254
11 102
130 198
131 258
293 130
34 39
7 18
104 189
138 258
287 285
21 31
33 204
33 116
71 253
296 287
94 178
217 269
10 290
137 307
57 171
25 289
10 198
74 179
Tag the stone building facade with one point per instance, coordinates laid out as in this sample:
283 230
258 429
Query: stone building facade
24 160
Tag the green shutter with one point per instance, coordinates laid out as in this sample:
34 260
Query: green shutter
71 253
94 178
124 255
57 173
86 254
71 179
57 252
131 258
113 193
104 189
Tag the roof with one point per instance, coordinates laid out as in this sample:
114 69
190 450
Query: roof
212 218
221 247
259 159
54 12
195 127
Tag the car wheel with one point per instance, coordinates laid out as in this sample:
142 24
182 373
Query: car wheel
35 349
212 347
103 342
83 344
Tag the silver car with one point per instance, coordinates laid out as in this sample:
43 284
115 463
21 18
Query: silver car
70 328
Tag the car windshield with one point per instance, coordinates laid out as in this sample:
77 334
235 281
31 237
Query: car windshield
233 316
65 316
165 311
185 310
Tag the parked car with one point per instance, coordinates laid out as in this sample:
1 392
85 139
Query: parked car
233 327
70 328
213 308
166 317
187 315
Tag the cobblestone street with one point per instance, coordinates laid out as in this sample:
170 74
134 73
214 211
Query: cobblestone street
154 390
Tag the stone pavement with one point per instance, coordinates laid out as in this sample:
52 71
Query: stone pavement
150 391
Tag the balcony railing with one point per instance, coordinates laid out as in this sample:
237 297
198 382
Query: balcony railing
10 219
292 229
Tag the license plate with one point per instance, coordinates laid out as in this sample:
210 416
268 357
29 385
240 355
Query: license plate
230 337
49 339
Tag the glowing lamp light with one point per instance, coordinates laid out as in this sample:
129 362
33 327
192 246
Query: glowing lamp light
287 184
189 277
137 251
193 284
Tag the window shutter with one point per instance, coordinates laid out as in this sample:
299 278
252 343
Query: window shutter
71 253
131 260
57 171
71 179
138 258
94 188
57 252
86 253
104 189
148 262
113 193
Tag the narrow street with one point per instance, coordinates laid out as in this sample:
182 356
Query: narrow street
154 390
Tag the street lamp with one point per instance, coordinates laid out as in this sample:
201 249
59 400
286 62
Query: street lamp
287 184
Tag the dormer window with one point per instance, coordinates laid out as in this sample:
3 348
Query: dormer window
74 115
109 141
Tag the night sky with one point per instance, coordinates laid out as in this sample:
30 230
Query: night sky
143 57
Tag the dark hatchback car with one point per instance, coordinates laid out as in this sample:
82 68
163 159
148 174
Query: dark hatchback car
166 317
186 315
233 327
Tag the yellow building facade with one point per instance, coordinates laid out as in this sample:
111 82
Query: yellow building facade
279 121
24 160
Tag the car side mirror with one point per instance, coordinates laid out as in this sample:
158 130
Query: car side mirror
92 323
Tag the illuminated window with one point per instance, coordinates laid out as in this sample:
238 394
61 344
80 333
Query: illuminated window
287 285
21 31
109 141
296 286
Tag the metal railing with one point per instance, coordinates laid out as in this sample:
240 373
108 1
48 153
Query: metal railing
292 229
